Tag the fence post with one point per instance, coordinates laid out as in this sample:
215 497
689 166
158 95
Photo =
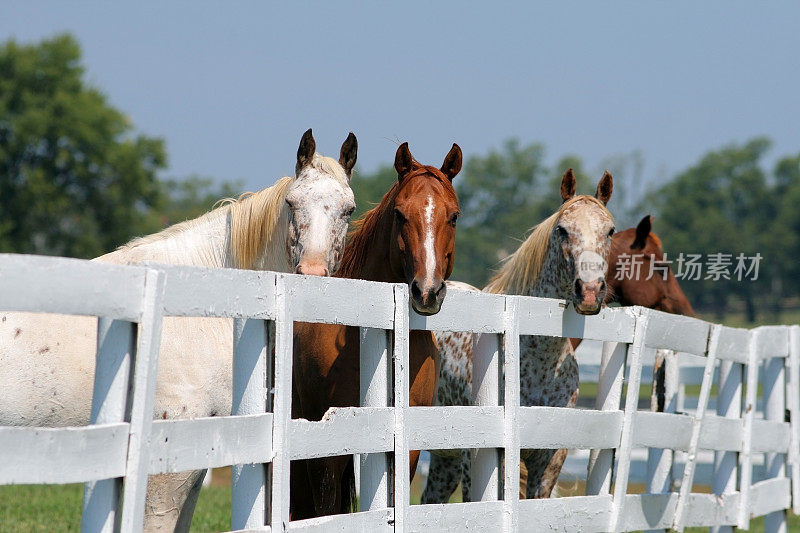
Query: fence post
402 468
251 380
374 392
697 426
112 379
282 408
663 400
629 418
510 423
142 401
729 405
609 393
486 391
746 457
793 399
775 410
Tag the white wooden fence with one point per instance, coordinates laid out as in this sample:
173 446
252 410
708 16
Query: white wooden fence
123 445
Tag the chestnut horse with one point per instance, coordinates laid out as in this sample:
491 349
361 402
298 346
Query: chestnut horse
658 292
408 238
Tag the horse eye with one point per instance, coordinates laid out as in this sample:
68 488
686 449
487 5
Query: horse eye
562 232
290 204
349 211
454 219
611 232
401 218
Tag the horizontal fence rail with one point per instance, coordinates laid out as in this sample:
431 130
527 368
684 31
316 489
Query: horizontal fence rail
756 370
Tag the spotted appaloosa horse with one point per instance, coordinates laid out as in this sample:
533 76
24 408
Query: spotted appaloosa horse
408 238
543 266
297 225
656 292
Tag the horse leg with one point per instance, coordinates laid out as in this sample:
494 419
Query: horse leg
543 469
443 478
171 499
326 477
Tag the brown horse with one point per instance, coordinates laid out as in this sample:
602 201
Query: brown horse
658 292
408 238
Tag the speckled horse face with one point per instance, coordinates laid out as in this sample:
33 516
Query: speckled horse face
583 235
320 203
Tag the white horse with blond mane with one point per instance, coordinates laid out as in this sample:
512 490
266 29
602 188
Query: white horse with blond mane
297 225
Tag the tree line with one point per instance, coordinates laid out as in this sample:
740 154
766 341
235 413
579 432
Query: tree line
76 180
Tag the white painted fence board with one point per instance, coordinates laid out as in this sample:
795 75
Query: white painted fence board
451 427
545 316
770 436
365 521
456 517
733 343
52 285
213 442
720 433
340 301
772 341
656 511
586 514
662 430
218 292
342 431
63 455
769 496
676 332
555 427
478 312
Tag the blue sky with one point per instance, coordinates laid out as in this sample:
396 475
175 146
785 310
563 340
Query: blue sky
232 86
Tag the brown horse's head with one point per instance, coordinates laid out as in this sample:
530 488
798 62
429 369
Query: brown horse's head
637 286
423 232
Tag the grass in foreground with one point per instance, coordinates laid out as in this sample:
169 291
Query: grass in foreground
35 508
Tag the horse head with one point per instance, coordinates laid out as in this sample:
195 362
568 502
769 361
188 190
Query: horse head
582 233
319 202
652 283
423 231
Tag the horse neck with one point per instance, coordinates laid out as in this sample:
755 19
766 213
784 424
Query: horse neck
544 353
367 254
204 242
274 256
553 281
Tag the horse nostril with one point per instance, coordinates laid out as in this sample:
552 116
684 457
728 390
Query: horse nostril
602 285
578 284
441 288
416 293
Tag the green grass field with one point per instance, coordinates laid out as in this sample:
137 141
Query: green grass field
43 508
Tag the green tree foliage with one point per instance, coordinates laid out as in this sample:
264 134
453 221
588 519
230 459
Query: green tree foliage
191 197
723 204
74 180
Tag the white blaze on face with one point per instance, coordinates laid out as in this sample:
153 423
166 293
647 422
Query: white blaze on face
430 257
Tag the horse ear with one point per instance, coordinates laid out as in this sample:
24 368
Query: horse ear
642 231
452 162
403 161
348 153
567 185
305 152
604 188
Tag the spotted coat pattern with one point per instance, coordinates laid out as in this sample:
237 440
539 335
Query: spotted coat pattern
548 368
